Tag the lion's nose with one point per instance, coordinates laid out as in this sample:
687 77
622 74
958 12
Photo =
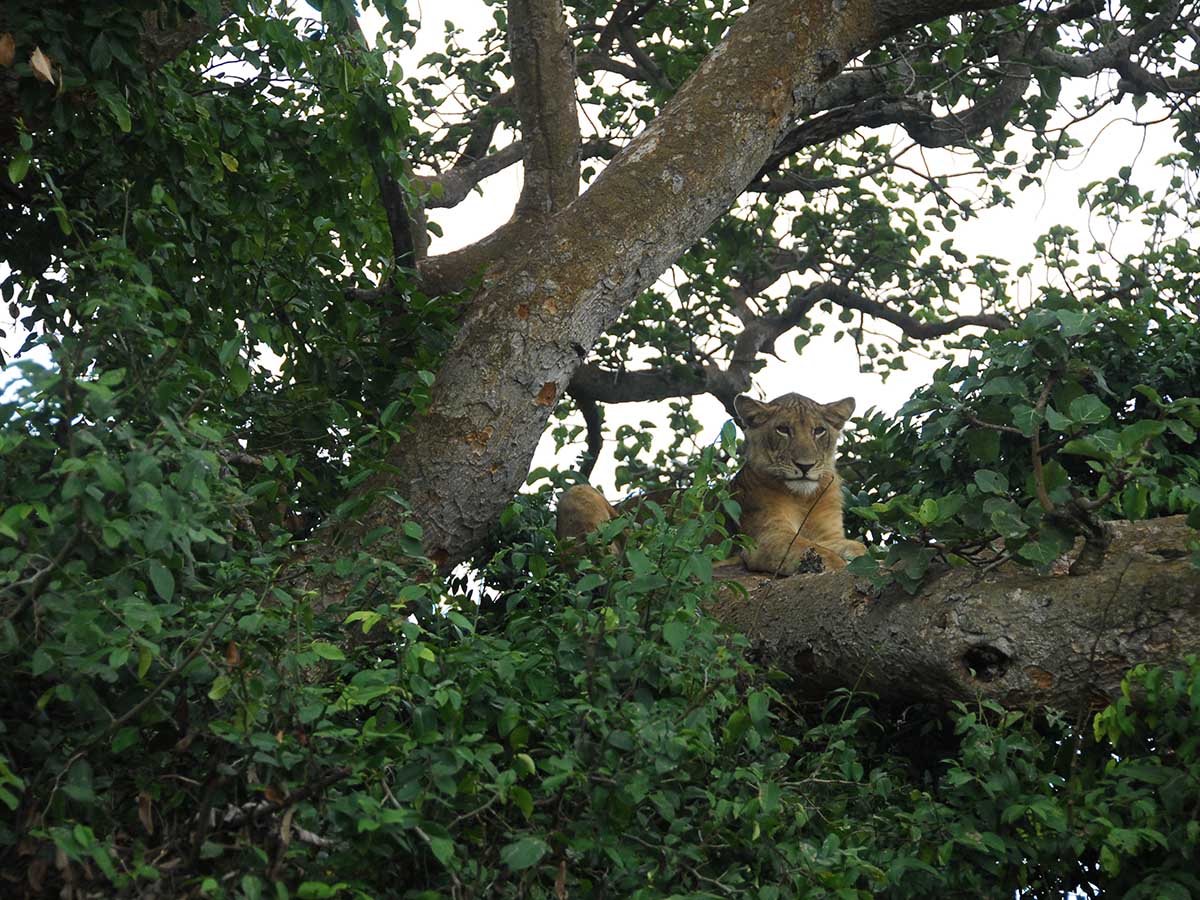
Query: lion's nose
804 467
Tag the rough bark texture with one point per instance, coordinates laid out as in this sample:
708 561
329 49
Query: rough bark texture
1011 636
543 305
544 87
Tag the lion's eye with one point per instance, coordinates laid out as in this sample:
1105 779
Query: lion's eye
784 430
818 431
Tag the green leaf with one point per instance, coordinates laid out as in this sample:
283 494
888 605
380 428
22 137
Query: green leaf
117 107
1057 420
675 633
526 763
442 848
1026 418
229 162
1133 436
639 562
1135 501
928 512
328 651
991 482
124 739
757 703
1085 447
100 56
1003 386
145 660
1088 410
239 379
162 579
1074 323
1182 430
1041 553
523 853
220 687
17 167
522 799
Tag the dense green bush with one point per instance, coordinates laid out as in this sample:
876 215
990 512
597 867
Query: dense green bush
184 713
1103 396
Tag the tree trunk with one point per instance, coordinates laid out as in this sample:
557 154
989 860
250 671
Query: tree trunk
1011 636
566 279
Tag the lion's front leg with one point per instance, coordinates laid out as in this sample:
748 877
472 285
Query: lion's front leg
783 551
847 548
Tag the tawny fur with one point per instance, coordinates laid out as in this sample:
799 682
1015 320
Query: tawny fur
788 486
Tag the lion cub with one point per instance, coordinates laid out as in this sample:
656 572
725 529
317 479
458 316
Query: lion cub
788 488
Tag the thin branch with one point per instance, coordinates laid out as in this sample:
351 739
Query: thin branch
592 418
483 127
914 328
459 181
406 222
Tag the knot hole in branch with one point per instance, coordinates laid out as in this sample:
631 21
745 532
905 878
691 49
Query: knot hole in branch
986 662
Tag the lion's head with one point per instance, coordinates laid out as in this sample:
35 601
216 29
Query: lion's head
792 439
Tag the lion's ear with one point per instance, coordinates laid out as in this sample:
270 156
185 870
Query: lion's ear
839 412
751 411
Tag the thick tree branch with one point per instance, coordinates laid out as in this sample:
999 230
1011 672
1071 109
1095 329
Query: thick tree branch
1010 636
870 98
543 68
406 221
1108 56
624 15
596 62
647 70
593 383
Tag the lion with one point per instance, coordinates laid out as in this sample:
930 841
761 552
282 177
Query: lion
788 487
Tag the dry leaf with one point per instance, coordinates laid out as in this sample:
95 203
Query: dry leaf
233 656
285 827
43 70
146 811
273 794
37 874
8 49
560 881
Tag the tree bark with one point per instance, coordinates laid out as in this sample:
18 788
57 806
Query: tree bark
565 281
1011 636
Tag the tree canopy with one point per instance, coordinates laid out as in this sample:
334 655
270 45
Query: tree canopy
254 422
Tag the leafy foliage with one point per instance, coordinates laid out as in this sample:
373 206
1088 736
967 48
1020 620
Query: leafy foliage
1101 396
223 344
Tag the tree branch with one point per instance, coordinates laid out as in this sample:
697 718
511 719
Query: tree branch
914 328
459 181
594 421
869 98
485 120
543 69
1009 636
453 271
